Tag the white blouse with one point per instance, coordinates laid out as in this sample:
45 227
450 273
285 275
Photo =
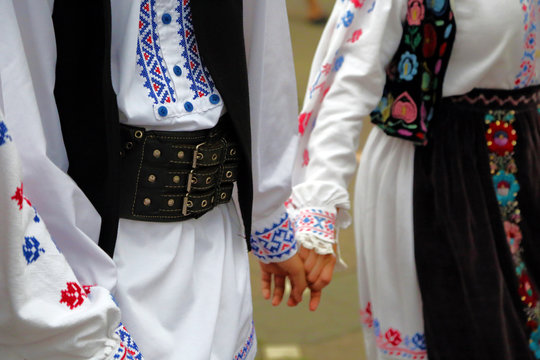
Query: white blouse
495 47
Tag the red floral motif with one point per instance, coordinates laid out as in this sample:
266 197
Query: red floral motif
393 336
358 3
430 41
526 291
355 36
19 197
73 296
415 13
303 121
367 315
501 137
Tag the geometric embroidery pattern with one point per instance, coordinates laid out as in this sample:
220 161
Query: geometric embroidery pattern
128 349
31 249
4 136
243 353
274 242
150 60
198 75
392 341
73 296
317 222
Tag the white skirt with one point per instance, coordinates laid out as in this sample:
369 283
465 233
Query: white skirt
184 287
391 306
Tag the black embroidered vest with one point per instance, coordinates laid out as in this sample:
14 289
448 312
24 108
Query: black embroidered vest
415 75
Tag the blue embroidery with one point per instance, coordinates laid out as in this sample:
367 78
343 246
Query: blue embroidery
243 353
128 349
31 249
275 242
153 69
198 75
4 136
348 18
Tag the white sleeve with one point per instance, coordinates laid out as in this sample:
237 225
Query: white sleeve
273 104
27 76
346 83
46 313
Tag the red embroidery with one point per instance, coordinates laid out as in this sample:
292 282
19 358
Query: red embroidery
19 197
306 158
358 3
73 296
393 336
355 36
303 121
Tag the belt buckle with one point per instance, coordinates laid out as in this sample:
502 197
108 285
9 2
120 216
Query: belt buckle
196 156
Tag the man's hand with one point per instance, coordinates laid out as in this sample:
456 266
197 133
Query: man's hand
292 268
319 270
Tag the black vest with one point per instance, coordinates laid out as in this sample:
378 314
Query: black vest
88 110
415 75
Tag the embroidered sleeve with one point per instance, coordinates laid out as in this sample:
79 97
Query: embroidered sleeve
44 307
314 228
275 241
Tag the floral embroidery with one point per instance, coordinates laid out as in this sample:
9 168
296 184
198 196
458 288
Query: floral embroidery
501 139
316 221
527 72
415 15
392 341
128 349
4 136
31 249
358 3
348 18
306 158
303 120
150 59
198 75
414 76
276 243
244 351
408 66
73 296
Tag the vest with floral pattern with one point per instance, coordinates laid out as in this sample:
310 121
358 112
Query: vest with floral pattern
415 75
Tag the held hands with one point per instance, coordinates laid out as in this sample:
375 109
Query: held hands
306 268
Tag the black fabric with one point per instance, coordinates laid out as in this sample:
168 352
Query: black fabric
87 103
87 106
469 288
220 35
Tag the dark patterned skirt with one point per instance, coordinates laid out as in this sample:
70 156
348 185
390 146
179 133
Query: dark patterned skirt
477 226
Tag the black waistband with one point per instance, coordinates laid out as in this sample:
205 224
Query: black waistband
498 99
174 176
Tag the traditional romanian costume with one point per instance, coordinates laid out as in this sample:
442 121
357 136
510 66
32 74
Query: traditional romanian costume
447 190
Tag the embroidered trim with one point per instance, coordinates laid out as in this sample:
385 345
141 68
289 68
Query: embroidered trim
527 72
128 349
31 249
318 222
73 296
243 353
276 243
496 99
197 74
392 342
4 136
150 59
501 140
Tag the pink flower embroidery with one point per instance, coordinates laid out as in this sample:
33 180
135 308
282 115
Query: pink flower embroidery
303 121
513 236
306 158
393 336
358 3
404 108
415 13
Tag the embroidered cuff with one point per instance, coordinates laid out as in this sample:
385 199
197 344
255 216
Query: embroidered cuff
314 228
276 243
127 349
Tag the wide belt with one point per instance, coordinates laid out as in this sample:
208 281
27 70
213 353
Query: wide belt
173 176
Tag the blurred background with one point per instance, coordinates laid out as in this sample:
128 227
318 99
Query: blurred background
334 331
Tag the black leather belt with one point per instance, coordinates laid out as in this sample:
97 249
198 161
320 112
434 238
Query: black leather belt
174 176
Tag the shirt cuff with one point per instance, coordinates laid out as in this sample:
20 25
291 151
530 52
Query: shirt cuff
315 229
127 349
275 243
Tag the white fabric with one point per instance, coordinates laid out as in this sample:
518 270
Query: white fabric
184 286
346 83
45 314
